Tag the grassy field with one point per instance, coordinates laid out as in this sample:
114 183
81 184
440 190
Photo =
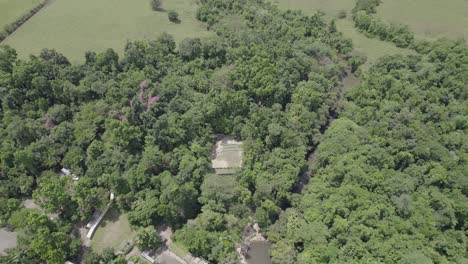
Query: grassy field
329 7
113 230
372 48
428 18
74 27
11 10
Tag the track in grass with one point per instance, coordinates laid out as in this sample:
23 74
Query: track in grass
428 18
11 10
74 27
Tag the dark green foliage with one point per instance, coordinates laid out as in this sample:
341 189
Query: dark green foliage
389 172
389 183
148 239
173 16
156 4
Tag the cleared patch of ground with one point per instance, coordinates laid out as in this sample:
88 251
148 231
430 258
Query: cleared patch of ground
7 240
74 27
428 18
227 155
11 10
113 230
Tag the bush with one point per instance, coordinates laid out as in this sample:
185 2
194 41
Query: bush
342 14
156 5
173 16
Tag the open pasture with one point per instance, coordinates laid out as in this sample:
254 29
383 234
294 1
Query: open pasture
74 27
428 18
11 10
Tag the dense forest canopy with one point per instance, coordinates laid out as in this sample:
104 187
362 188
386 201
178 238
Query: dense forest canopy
389 183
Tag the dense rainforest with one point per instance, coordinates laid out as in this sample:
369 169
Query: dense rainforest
389 181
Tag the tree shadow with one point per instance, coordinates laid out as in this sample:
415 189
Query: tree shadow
175 21
112 216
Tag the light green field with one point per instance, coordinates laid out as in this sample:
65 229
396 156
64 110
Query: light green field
73 27
11 10
372 48
428 18
329 7
113 230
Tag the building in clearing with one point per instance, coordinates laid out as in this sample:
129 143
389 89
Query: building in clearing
227 155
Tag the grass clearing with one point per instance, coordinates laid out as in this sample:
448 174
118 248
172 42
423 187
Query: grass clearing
113 230
371 47
11 10
7 240
428 18
329 7
74 27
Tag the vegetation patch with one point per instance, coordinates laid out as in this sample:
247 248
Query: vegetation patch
371 48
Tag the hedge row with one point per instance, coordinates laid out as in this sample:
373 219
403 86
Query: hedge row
366 21
15 25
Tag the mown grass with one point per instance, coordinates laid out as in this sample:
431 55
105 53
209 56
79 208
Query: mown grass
74 27
113 230
370 47
11 10
428 18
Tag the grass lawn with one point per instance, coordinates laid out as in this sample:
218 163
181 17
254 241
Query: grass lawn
7 240
11 10
113 230
372 48
429 18
73 27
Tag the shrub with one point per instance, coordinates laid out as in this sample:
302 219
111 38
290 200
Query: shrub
173 16
342 14
156 5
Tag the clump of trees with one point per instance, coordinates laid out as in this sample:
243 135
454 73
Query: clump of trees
366 20
389 172
271 78
156 5
173 16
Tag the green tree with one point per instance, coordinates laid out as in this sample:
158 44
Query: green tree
173 16
148 238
